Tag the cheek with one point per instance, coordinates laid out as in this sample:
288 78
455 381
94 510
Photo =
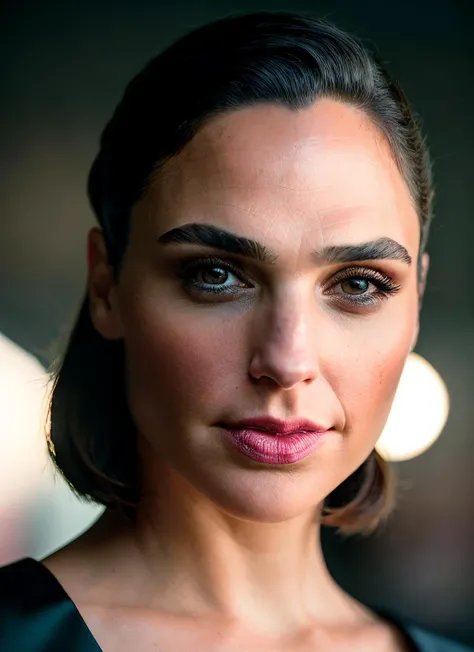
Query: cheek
177 364
374 392
368 386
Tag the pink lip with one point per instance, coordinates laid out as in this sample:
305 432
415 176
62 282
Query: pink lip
272 441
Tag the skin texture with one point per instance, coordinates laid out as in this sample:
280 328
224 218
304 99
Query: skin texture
218 535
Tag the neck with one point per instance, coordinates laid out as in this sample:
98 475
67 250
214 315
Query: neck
195 560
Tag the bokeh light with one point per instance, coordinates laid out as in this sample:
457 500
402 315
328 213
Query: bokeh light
419 412
38 511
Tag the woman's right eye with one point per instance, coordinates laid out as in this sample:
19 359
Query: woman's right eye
213 275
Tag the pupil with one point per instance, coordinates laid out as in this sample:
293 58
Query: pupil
356 285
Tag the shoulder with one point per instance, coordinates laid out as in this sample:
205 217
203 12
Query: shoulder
421 639
429 641
36 613
21 585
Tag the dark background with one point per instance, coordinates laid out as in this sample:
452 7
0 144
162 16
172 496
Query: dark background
63 69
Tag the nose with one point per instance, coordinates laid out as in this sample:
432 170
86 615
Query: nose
284 352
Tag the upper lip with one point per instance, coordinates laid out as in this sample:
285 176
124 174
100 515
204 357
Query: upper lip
277 426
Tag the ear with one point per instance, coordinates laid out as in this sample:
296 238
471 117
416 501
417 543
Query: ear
425 265
103 302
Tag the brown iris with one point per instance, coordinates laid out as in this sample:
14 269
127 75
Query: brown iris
355 285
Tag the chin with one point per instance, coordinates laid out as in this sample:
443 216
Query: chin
261 495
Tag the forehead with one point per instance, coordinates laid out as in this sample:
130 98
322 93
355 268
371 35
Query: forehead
325 171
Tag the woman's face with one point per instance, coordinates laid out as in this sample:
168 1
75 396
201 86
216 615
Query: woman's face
318 330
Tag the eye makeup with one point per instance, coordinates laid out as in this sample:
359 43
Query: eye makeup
356 286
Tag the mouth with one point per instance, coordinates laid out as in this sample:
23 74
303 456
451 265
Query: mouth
277 427
273 441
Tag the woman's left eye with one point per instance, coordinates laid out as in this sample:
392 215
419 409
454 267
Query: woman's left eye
362 286
213 275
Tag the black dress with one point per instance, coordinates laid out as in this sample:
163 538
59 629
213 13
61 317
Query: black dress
37 615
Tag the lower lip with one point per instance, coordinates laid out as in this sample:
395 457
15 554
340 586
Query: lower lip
273 448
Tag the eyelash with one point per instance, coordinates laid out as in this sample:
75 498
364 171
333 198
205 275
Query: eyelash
385 286
190 267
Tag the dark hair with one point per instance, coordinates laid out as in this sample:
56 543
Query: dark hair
280 58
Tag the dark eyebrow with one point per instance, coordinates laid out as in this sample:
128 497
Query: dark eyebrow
209 235
212 236
383 248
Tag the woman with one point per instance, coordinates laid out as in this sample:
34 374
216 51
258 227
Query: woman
264 200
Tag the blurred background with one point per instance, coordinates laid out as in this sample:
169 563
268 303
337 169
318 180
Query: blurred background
63 69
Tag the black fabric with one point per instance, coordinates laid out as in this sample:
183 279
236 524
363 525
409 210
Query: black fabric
37 615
